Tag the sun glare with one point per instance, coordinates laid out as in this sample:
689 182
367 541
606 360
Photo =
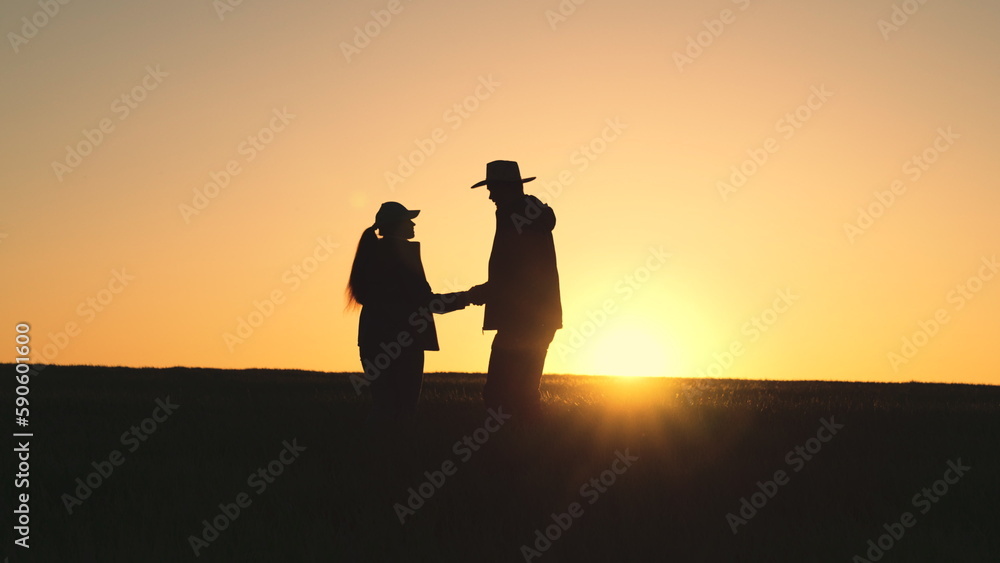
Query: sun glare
633 352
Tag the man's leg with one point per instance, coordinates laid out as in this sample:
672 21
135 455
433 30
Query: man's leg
515 370
502 368
532 363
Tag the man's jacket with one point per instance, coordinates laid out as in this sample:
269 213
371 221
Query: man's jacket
523 287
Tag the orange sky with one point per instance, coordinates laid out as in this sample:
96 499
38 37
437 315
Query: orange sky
636 117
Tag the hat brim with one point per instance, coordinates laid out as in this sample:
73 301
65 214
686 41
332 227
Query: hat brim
484 182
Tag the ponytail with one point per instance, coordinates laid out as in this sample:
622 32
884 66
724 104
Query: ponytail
361 268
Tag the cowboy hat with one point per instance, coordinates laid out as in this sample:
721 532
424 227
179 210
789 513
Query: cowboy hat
502 172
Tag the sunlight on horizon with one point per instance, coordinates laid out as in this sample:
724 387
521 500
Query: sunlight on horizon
631 351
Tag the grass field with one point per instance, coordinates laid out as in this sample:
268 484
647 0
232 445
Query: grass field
688 451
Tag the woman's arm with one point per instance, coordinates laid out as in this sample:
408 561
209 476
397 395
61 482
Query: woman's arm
447 302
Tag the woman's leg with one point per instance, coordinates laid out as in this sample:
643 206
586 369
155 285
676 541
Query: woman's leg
396 387
410 378
381 392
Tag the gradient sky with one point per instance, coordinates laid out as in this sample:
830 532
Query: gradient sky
630 125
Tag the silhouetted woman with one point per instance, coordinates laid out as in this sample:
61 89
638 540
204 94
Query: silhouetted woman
397 324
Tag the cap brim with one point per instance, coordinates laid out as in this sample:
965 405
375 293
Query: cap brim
412 213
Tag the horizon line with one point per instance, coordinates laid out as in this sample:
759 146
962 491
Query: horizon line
43 365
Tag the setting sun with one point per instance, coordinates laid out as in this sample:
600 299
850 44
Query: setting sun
632 351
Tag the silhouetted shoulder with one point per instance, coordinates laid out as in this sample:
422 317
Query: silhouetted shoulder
540 216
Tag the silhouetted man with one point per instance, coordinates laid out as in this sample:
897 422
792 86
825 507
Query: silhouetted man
522 292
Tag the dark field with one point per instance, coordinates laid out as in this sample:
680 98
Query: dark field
694 449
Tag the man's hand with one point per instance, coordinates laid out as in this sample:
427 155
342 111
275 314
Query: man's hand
478 294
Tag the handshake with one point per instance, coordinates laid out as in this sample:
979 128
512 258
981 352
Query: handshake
476 295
